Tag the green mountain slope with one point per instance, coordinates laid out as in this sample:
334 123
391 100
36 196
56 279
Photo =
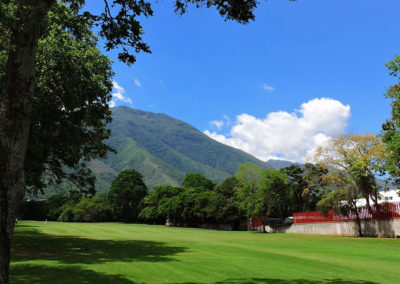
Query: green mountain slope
278 164
164 149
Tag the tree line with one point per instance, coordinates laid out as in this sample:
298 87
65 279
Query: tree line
252 193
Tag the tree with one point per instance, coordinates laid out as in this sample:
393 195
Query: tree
195 180
68 111
225 204
294 174
261 193
272 198
391 128
248 176
126 194
54 204
306 186
33 210
315 185
355 158
163 203
22 23
91 209
342 199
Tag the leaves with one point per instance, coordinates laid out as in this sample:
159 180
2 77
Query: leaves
70 104
126 194
391 128
353 162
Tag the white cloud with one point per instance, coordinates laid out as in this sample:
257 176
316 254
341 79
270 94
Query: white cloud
268 88
118 94
112 103
217 124
290 136
137 82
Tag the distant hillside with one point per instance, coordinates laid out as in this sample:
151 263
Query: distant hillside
278 164
164 149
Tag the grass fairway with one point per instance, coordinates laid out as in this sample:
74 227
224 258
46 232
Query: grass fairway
123 253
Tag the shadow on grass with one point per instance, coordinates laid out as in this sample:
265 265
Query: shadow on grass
24 273
293 281
31 244
284 281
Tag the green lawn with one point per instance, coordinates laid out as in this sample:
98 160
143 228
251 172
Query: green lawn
123 253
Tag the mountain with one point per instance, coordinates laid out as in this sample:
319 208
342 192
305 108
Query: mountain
278 164
164 149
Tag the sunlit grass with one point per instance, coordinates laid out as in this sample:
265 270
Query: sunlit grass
127 253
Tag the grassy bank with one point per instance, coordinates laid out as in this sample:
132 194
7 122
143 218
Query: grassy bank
125 253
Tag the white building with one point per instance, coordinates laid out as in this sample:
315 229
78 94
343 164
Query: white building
386 196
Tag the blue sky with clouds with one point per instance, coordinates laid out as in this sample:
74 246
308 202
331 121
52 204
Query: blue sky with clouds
311 69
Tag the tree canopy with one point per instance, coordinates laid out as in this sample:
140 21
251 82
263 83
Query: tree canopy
195 180
273 196
391 128
357 158
70 106
126 194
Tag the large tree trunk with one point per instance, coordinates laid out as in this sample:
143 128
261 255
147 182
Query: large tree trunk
15 117
358 220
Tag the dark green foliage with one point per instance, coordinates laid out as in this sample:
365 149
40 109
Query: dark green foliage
264 194
180 206
70 104
224 204
93 210
305 186
126 194
161 204
239 10
391 128
273 195
315 185
248 176
195 180
54 206
74 207
33 210
297 186
87 209
254 193
195 204
49 209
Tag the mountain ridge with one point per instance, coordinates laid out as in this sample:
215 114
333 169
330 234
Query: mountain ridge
164 149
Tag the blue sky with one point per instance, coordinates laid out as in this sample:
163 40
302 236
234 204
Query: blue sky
203 69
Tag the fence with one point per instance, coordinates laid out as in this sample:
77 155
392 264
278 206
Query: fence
378 212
